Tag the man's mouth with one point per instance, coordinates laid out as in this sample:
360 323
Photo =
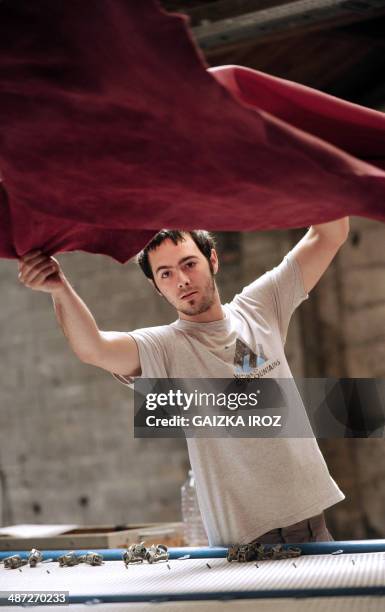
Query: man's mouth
187 295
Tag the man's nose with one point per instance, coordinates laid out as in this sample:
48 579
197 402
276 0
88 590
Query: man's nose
183 280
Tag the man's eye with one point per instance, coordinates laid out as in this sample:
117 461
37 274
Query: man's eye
191 264
165 275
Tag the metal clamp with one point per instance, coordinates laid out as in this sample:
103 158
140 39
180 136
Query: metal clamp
157 553
259 552
69 559
136 553
92 558
14 562
34 557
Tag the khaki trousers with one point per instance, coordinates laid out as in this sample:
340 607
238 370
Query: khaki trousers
310 530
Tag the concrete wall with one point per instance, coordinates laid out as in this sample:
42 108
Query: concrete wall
67 447
350 317
67 452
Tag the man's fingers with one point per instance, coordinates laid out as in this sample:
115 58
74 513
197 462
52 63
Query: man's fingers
35 267
31 254
41 278
25 266
30 276
36 273
38 280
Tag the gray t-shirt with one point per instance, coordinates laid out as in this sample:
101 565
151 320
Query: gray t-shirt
245 486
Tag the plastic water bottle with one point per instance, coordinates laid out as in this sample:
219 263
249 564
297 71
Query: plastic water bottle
194 531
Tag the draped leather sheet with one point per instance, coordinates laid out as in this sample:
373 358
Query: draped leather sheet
112 127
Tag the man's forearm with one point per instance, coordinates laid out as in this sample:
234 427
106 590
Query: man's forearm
76 321
317 248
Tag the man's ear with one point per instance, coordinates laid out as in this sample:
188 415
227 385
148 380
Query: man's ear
154 286
214 261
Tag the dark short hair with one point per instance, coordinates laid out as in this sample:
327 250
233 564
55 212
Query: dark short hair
202 238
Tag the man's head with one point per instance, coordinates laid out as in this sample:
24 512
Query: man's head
181 265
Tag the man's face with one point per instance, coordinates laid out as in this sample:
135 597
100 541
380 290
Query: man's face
183 276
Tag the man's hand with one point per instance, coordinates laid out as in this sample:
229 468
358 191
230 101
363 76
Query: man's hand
113 351
40 272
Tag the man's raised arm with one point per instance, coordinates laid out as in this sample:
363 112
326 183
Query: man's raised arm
317 248
113 351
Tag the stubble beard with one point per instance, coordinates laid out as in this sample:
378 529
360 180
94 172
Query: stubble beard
206 301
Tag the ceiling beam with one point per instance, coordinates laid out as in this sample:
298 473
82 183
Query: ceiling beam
282 20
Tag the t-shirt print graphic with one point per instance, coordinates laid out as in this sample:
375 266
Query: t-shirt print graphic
247 363
245 360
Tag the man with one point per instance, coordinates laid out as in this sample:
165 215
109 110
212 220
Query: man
265 489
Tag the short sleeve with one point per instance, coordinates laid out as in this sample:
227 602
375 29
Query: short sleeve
152 354
277 293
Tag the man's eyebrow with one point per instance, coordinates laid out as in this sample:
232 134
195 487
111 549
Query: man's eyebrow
183 260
